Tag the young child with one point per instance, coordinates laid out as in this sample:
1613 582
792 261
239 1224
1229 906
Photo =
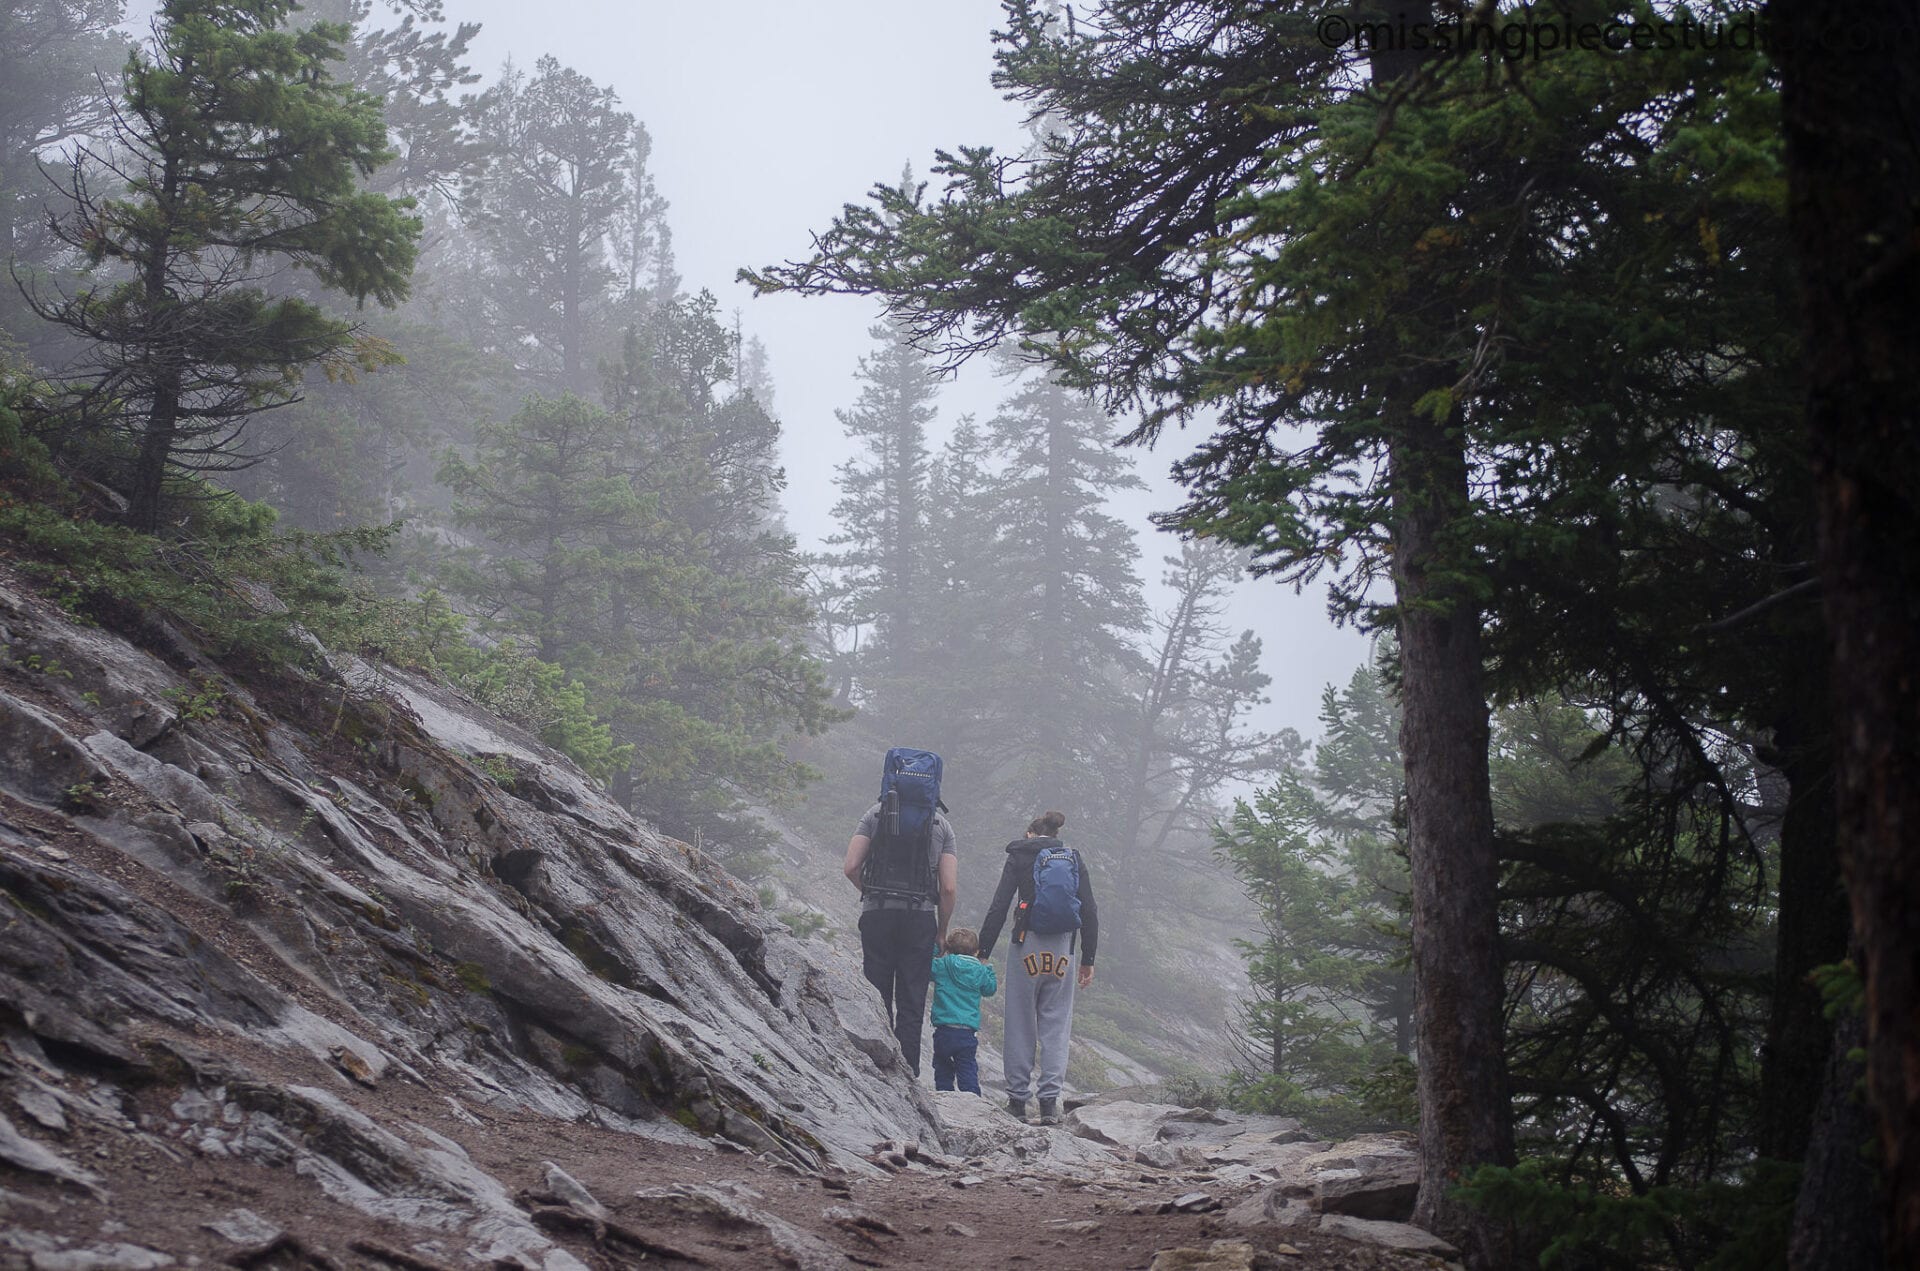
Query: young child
960 980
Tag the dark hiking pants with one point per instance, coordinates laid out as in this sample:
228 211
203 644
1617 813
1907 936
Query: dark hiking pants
896 954
956 1058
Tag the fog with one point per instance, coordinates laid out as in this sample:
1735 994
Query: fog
766 117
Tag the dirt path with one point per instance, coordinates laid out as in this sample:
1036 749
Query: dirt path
912 1220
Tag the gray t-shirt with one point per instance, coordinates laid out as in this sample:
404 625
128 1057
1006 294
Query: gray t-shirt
940 843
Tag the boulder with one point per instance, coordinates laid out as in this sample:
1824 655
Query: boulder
1171 1156
978 1128
140 722
1372 1177
1124 1123
103 1257
1399 1236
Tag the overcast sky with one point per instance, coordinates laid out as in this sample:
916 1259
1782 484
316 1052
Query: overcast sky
767 116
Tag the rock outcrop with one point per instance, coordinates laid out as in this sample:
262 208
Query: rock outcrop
211 883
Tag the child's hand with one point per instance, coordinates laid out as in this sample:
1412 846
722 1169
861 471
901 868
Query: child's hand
1086 974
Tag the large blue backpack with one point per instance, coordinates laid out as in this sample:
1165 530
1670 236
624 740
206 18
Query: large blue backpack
899 861
1056 891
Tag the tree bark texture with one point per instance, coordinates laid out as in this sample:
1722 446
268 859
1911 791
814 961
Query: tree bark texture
1465 1116
1813 918
1851 96
150 463
1836 1221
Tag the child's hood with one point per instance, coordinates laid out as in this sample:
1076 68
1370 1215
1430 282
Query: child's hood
968 971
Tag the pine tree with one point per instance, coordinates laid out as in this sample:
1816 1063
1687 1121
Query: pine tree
224 189
1188 734
1068 605
548 200
53 54
882 513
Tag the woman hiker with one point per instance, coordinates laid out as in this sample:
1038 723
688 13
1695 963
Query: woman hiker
1054 918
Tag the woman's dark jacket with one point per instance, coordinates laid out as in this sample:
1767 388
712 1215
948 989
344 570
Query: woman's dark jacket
1016 878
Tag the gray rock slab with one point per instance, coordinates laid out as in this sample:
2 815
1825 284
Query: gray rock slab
243 1227
104 1257
1124 1123
572 1190
18 1150
1399 1236
42 1107
1376 1177
40 761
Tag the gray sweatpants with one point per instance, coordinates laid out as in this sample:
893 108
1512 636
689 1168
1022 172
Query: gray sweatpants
1039 987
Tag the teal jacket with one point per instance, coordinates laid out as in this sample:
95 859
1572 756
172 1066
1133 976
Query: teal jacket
960 980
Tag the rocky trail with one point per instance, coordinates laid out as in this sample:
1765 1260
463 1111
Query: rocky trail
340 971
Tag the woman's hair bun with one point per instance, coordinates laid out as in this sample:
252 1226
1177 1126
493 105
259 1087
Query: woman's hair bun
1047 824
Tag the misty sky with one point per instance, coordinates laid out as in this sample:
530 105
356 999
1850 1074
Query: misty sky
766 116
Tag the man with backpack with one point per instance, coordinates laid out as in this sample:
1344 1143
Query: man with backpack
1054 920
903 861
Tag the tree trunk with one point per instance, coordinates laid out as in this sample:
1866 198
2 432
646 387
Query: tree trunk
1465 1117
1851 98
1812 924
1836 1218
150 463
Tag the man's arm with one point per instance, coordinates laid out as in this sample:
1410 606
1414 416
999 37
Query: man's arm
949 891
856 858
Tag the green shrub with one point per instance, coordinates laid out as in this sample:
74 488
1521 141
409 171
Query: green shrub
1740 1225
247 589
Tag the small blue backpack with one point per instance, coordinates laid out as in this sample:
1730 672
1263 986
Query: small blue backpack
1056 891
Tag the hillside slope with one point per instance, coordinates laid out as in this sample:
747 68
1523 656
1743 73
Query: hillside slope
296 892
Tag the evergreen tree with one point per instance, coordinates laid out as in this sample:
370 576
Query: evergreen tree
1322 854
548 492
960 713
1066 609
53 54
641 241
547 201
636 546
882 513
222 189
1188 736
416 67
725 666
1331 1003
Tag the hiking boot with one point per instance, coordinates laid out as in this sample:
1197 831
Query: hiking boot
1049 1112
1017 1108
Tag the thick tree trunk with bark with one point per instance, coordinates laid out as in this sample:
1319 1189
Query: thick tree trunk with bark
1812 923
1851 96
150 462
1836 1219
1465 1116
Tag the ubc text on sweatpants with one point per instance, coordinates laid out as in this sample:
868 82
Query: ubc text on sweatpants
1038 983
